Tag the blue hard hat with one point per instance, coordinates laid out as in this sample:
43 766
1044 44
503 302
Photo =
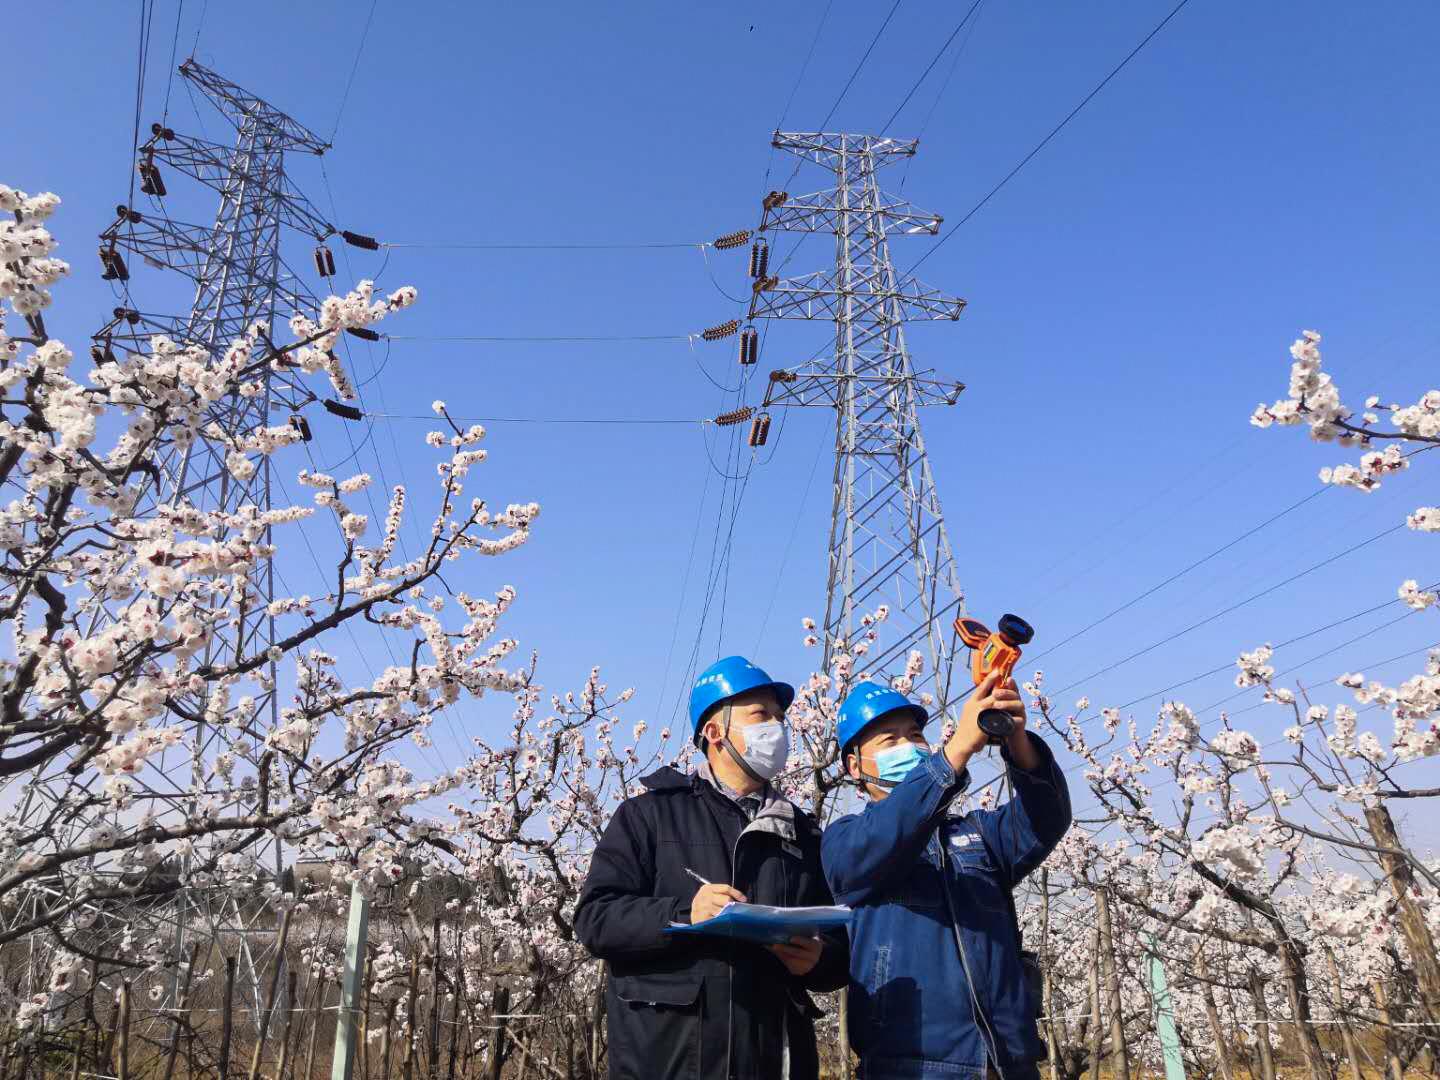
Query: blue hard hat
725 679
868 702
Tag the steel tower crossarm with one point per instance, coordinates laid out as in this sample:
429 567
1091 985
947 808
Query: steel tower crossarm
243 109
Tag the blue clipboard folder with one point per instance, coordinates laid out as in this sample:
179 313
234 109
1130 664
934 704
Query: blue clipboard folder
766 925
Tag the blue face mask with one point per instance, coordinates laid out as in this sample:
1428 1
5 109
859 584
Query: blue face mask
893 765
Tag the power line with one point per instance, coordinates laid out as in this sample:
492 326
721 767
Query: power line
1230 664
538 419
1181 573
564 245
205 10
354 67
1053 132
1318 656
940 94
790 541
851 81
804 67
930 66
504 339
1233 607
1200 562
170 74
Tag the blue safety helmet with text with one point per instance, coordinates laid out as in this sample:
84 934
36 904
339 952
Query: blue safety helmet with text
728 678
866 703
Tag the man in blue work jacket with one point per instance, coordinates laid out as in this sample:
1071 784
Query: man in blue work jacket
937 982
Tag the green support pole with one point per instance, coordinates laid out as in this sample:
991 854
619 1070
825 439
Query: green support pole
347 1034
1165 1017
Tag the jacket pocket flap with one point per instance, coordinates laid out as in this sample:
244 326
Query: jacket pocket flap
678 989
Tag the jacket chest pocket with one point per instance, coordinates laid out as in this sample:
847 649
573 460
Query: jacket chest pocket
975 871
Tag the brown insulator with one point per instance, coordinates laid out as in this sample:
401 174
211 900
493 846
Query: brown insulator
112 265
737 416
731 240
360 240
759 259
336 408
749 345
759 429
724 330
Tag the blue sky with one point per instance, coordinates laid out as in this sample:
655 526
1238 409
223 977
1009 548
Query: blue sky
1258 169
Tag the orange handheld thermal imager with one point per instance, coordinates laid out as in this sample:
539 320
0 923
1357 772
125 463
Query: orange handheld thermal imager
992 651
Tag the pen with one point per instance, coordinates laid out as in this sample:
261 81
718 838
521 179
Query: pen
697 877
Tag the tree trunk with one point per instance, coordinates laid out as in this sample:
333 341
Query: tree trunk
270 995
385 1038
434 1050
1097 1034
315 1032
1297 989
227 1021
1411 917
182 1017
288 1026
1052 1043
1120 1069
1347 1037
846 1070
501 999
122 1041
410 1018
1262 1026
1212 1016
1394 1070
597 1020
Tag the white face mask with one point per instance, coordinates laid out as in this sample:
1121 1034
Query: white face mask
767 748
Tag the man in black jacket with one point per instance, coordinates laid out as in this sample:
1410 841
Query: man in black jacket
700 1006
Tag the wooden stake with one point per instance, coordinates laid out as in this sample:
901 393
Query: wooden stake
1097 1034
182 1014
227 1021
289 1023
410 1017
1212 1014
122 1065
497 1042
1262 1027
385 1037
434 1054
270 995
314 1033
1394 1070
455 1011
1121 1066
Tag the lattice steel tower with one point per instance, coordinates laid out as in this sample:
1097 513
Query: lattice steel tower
888 542
239 277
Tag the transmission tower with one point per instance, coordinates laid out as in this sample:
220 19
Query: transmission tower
888 541
239 277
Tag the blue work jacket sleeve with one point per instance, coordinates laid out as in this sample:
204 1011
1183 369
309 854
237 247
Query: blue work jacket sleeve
618 913
1026 829
862 853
